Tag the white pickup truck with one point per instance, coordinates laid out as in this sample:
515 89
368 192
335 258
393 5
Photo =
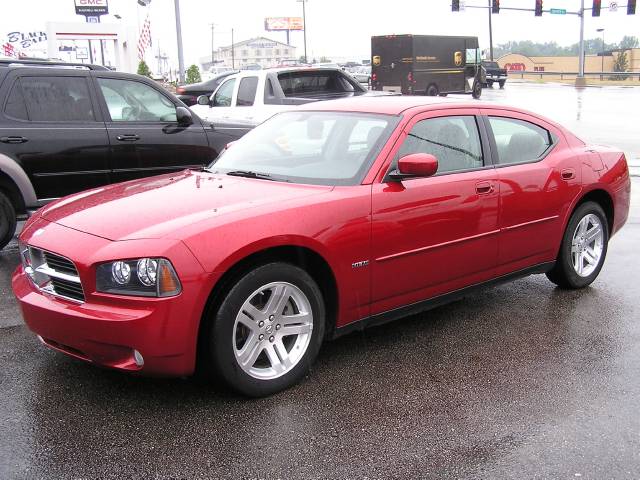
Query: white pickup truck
250 97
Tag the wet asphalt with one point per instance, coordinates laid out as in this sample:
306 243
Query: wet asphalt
519 381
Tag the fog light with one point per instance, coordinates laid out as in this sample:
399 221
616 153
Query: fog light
137 356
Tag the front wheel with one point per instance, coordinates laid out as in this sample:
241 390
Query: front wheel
268 330
583 248
501 83
432 90
477 90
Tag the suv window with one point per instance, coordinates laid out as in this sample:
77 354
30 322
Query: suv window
57 99
222 98
16 107
454 141
247 91
519 141
131 101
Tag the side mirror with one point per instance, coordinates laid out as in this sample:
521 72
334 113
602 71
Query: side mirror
183 116
415 165
203 100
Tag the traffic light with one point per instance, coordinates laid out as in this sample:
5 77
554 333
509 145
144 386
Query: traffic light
595 9
455 5
495 6
631 7
538 8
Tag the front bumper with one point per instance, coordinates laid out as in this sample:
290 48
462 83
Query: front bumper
108 329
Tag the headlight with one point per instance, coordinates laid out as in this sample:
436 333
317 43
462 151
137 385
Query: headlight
145 277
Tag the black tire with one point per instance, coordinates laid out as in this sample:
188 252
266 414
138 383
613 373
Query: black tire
501 83
489 84
432 90
563 273
221 339
477 90
443 94
8 220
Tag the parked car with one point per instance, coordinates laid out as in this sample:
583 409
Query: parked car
495 74
252 97
66 128
293 234
362 74
189 93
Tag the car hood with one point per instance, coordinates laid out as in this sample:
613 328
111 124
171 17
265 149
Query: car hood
161 206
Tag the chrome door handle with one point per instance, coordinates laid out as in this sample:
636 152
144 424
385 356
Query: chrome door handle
14 139
130 137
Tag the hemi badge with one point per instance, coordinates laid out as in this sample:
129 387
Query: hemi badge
363 263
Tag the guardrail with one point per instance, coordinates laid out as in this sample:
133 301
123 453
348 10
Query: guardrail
569 75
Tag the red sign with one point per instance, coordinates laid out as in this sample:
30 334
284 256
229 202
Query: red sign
515 67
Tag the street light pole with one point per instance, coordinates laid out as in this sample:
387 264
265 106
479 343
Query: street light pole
176 4
212 59
304 29
580 81
490 34
601 30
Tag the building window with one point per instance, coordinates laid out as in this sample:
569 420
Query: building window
268 52
258 52
277 51
245 53
286 51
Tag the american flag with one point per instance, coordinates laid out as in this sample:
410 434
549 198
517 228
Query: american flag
144 40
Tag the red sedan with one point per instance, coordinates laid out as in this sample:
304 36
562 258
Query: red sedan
322 220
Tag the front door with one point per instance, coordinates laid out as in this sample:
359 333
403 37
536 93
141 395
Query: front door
144 135
437 234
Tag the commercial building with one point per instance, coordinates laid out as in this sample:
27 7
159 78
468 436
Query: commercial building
516 62
260 50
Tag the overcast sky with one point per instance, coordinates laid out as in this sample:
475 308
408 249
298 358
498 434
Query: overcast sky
335 28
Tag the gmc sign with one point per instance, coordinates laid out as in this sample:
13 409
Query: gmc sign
92 7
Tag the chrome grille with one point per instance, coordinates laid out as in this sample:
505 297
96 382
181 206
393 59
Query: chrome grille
52 273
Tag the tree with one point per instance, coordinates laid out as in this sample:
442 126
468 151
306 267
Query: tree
620 64
629 41
143 69
193 74
324 59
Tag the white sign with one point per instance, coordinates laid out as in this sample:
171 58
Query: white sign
82 53
613 6
462 6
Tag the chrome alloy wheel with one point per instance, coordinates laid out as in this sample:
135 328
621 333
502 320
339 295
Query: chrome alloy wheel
587 245
272 330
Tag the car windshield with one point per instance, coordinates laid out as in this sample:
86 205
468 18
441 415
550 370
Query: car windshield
322 148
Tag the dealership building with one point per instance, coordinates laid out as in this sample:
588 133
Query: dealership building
515 62
260 50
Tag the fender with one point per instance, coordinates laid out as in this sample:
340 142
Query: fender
10 167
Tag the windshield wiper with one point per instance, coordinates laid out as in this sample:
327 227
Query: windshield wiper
250 174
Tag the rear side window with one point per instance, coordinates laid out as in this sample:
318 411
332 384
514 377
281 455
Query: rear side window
247 91
519 141
15 106
57 99
310 83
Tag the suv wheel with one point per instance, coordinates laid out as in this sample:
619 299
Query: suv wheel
8 220
477 90
268 330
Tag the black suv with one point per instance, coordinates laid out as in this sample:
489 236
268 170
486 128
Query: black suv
65 128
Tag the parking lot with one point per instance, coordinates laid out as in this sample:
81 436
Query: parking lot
523 380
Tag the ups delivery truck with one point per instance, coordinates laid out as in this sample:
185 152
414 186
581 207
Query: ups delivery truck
426 65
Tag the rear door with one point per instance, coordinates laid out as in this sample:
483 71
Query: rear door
391 62
52 126
144 135
538 181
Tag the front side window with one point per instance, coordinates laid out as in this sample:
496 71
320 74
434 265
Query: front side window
247 91
222 98
57 99
323 148
518 141
454 141
130 101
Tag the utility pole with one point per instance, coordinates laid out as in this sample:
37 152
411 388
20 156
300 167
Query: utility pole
304 29
179 35
580 81
212 59
233 52
490 34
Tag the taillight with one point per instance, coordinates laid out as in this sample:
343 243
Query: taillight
410 77
374 77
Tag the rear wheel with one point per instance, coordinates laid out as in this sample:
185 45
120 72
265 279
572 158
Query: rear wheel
501 83
268 330
489 84
432 90
8 221
583 248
